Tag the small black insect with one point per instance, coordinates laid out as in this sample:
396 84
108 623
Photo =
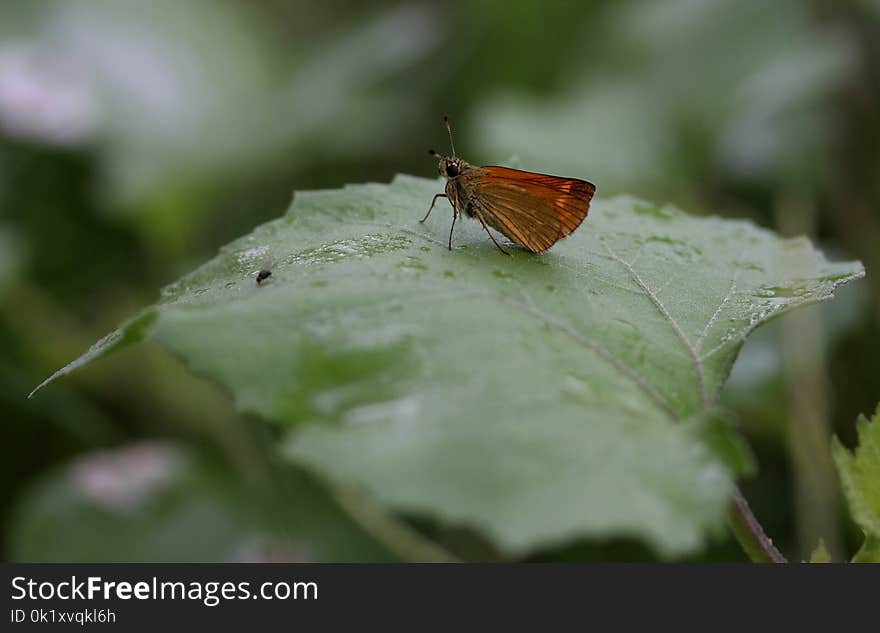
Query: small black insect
263 275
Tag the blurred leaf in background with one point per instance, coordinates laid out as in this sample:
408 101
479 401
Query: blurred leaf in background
159 502
180 98
683 89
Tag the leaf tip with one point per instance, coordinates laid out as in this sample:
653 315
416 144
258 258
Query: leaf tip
130 332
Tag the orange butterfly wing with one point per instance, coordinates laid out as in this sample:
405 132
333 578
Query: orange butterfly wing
532 210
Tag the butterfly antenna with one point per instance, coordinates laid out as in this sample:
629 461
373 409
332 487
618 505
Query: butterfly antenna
449 129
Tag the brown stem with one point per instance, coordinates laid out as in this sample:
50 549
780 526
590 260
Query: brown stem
758 546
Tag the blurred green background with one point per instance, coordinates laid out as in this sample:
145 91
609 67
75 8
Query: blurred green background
138 137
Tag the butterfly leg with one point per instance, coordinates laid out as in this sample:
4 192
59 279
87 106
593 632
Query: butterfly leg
494 241
439 195
454 218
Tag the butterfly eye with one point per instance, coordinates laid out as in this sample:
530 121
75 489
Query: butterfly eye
452 170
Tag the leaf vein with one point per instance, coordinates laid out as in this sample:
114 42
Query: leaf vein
714 317
695 357
600 350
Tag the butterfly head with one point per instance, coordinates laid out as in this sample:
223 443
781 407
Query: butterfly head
448 166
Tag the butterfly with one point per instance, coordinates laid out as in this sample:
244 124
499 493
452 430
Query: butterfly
532 210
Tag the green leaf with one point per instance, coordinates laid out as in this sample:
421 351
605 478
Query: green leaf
820 554
860 475
535 398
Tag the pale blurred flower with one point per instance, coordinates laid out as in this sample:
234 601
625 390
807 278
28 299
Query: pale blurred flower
125 479
44 97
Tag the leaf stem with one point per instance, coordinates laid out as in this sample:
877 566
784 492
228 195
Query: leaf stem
751 536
